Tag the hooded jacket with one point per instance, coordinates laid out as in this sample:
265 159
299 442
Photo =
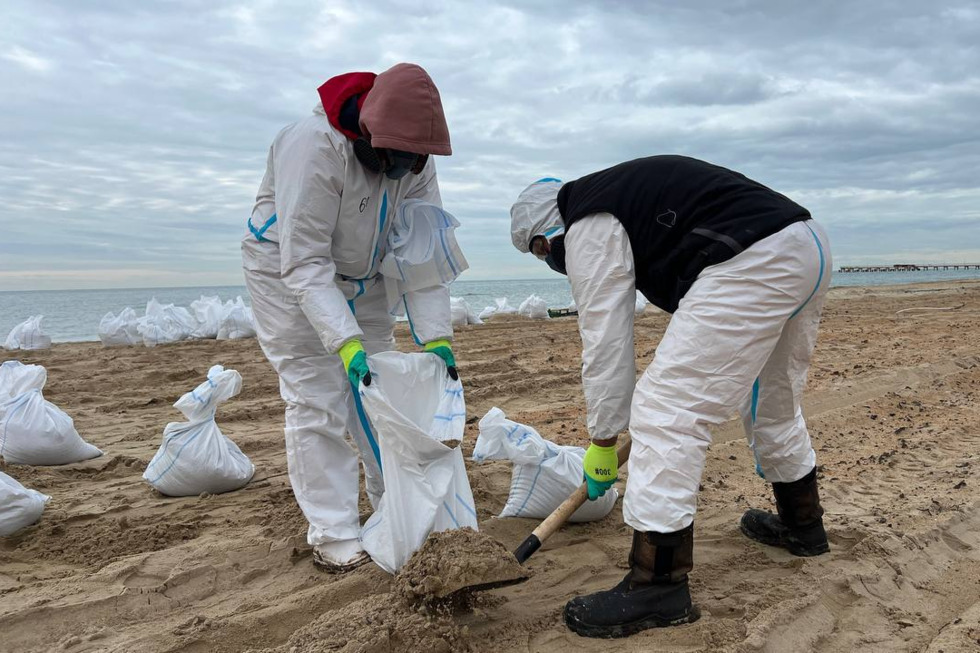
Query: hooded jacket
323 218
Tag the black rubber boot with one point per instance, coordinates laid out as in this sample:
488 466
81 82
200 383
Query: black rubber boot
798 527
654 593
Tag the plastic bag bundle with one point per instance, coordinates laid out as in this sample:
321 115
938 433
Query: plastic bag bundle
34 431
196 456
27 335
461 312
414 408
544 473
534 307
421 250
165 323
120 330
19 507
208 312
237 321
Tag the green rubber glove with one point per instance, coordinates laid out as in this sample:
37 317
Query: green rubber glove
355 363
601 466
444 350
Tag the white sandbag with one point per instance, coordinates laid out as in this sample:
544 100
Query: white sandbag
208 312
503 308
237 321
165 323
544 473
120 330
461 312
19 507
487 313
196 456
34 431
414 407
534 307
641 304
27 335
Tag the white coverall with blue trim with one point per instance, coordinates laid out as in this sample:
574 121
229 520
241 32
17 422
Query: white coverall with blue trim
315 242
740 341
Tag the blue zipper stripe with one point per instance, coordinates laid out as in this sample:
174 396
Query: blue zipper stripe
819 277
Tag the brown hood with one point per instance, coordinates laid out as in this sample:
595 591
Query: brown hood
403 112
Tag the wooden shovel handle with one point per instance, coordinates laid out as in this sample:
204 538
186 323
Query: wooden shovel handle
557 519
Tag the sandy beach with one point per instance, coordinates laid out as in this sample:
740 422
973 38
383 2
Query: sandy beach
893 405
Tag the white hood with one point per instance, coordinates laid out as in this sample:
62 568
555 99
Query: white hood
535 213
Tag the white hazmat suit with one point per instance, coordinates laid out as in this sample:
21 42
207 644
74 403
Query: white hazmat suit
312 254
739 341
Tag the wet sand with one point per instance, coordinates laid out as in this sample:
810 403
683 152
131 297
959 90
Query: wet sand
893 406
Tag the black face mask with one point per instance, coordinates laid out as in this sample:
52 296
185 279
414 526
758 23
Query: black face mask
394 163
556 257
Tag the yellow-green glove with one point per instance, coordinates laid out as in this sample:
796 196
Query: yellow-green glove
355 363
601 465
444 350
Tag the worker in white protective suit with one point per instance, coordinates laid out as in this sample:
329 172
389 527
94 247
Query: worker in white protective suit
744 271
315 242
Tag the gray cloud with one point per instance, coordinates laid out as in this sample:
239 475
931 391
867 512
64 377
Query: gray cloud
135 134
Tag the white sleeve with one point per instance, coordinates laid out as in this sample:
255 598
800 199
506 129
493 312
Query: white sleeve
428 309
599 262
309 183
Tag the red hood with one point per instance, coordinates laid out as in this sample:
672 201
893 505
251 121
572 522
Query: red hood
337 90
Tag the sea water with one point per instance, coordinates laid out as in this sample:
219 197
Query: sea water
74 315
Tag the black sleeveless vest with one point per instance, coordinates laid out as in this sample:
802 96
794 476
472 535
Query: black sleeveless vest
681 215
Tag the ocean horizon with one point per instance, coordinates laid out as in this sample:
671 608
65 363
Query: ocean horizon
74 315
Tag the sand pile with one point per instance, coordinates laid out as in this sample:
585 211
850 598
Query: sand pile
378 624
456 560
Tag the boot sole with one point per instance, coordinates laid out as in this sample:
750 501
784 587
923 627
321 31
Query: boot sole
625 630
779 543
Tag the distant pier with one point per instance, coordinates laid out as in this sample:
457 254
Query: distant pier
907 267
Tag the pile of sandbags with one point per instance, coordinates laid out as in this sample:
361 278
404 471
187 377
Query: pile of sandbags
27 335
237 321
34 431
544 473
120 330
207 318
501 307
195 456
19 506
461 312
534 307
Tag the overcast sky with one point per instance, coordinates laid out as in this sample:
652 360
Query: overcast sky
133 135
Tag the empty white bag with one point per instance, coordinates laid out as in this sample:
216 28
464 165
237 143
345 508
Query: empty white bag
19 507
34 431
641 304
196 456
461 312
534 307
414 407
544 473
503 308
120 330
165 323
208 311
487 312
27 335
237 321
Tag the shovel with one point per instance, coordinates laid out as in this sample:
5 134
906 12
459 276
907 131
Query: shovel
501 571
557 519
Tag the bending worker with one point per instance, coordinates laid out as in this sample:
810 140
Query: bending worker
744 271
315 241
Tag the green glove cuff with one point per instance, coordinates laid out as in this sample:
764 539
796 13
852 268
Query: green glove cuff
348 351
443 349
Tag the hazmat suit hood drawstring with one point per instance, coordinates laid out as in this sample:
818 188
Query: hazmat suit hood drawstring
535 213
